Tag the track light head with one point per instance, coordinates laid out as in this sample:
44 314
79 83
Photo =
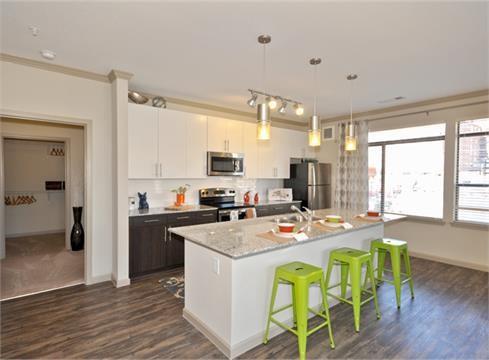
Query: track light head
272 103
282 108
252 101
299 109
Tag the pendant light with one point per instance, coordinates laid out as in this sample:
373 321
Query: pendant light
350 138
314 132
263 110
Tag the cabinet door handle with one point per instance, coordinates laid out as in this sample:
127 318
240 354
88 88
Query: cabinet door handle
165 233
207 214
161 171
183 217
156 169
151 221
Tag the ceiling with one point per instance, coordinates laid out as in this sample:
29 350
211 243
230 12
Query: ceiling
207 51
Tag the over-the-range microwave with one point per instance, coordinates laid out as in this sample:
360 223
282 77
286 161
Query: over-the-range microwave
225 164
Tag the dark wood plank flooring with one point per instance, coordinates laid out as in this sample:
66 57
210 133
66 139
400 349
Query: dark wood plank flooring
448 319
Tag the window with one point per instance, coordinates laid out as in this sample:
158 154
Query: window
472 178
405 170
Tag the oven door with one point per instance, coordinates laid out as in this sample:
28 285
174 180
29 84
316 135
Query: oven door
225 215
225 164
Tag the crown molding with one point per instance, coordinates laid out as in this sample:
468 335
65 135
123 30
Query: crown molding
54 67
118 74
411 106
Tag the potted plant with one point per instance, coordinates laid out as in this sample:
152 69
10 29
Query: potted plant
180 191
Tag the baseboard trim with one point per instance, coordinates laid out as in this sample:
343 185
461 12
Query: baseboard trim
121 282
98 279
47 232
245 345
464 264
220 343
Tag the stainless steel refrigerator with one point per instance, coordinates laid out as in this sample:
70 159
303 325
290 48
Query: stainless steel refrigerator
311 183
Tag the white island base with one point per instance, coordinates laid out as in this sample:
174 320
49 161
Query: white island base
228 299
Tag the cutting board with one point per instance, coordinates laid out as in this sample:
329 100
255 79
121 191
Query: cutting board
179 208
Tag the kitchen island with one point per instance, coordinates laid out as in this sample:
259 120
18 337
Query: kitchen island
229 269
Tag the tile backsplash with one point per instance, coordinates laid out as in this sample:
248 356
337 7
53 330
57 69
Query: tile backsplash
159 190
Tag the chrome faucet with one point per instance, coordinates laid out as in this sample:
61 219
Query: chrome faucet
307 217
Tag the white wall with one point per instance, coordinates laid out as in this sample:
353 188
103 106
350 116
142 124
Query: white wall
159 191
45 95
465 245
27 166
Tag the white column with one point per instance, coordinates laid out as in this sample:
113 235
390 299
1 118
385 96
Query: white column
120 250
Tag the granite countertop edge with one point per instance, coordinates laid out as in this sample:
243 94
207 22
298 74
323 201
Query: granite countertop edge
163 211
184 233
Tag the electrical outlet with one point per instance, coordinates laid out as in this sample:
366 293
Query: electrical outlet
216 266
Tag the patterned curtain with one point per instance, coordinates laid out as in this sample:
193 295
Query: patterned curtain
351 190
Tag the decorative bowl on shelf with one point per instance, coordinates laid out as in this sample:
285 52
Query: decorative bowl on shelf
137 97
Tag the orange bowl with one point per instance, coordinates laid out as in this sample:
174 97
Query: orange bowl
286 227
373 213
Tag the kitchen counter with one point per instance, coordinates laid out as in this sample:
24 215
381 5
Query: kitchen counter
229 273
163 211
239 239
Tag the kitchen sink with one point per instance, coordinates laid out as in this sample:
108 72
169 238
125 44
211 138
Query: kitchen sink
294 219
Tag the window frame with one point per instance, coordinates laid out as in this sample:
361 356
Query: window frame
383 145
457 185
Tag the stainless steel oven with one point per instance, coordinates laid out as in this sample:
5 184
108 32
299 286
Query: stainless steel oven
225 164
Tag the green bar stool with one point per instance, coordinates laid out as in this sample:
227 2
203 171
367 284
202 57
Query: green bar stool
352 260
300 275
396 248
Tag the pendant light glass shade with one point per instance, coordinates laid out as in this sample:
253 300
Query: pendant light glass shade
314 131
263 125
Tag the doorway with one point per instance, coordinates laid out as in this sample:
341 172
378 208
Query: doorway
43 175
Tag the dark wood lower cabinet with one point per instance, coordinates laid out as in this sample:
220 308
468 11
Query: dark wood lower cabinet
152 247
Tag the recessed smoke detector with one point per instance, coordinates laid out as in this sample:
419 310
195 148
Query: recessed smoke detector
34 30
48 54
394 99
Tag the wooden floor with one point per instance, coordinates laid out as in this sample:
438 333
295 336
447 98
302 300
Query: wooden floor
448 319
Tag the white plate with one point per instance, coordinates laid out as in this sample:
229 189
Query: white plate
331 224
284 235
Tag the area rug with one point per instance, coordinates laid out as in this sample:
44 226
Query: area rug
175 285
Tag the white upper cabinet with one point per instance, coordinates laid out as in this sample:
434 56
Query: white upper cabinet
166 143
196 147
250 150
224 135
142 142
172 152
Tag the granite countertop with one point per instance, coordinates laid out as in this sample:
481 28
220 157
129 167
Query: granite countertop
163 211
239 238
275 202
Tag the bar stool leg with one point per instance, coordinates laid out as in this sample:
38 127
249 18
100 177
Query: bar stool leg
302 297
326 311
407 264
294 312
396 273
370 272
356 290
328 273
380 263
272 303
344 278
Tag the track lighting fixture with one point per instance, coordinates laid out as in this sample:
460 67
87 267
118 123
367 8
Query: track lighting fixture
272 102
299 109
282 108
252 101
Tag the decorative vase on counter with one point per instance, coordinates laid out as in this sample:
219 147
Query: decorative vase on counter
180 199
77 233
257 198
